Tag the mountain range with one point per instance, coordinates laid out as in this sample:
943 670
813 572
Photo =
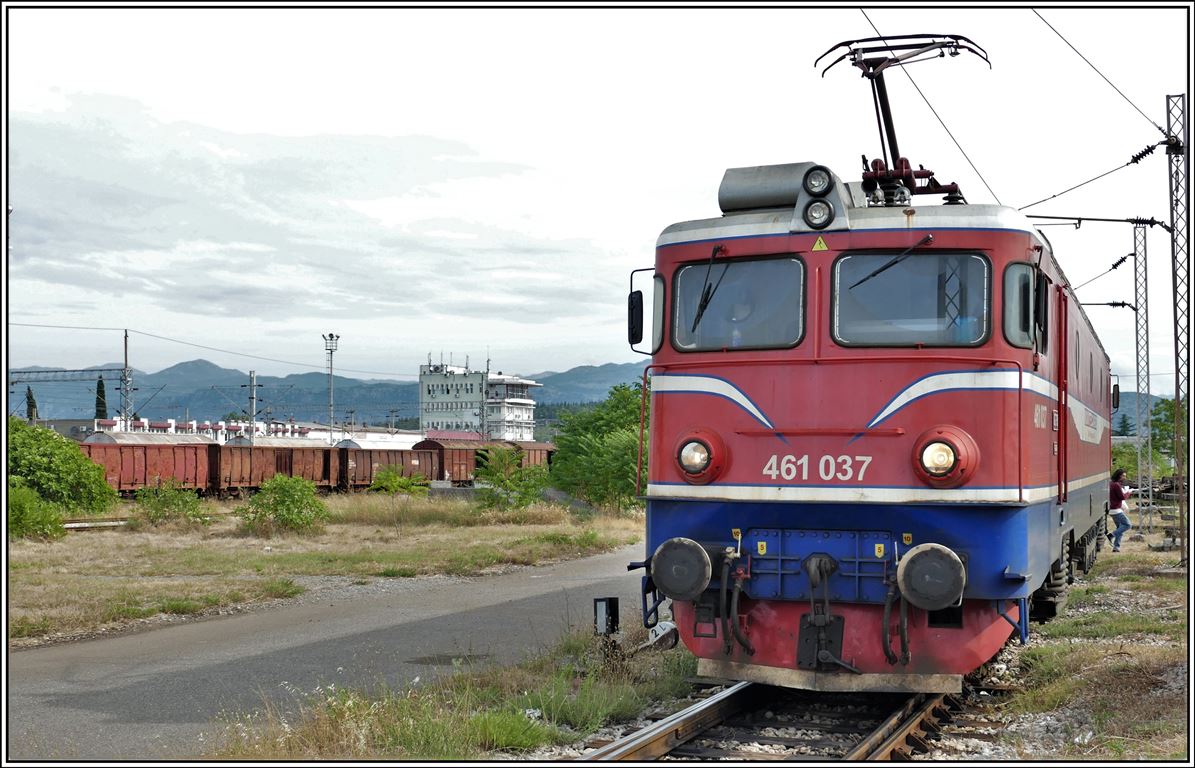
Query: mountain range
199 389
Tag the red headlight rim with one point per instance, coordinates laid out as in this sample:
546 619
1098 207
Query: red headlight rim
717 452
966 453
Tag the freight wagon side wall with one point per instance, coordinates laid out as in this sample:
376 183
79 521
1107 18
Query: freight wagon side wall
423 463
106 457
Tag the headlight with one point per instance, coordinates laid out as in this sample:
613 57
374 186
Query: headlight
945 456
818 181
938 459
819 214
694 457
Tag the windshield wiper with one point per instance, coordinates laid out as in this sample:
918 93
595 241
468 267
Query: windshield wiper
707 290
896 259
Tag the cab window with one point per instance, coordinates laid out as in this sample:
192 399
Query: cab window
739 304
937 299
1019 301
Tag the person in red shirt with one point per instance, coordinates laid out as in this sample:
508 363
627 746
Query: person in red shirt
1117 493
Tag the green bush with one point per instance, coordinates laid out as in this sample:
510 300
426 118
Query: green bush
284 504
30 516
167 502
598 449
56 469
389 479
507 484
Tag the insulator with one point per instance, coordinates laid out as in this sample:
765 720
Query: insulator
1144 153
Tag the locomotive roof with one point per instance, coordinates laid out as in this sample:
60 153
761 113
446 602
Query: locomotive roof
777 221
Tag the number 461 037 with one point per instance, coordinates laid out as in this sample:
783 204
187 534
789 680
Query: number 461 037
828 467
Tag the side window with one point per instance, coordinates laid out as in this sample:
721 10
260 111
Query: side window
1019 305
1078 357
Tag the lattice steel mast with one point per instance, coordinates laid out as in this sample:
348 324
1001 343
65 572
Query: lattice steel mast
1144 433
1176 151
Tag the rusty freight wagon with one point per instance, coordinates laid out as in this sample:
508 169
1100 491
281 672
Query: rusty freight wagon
361 459
533 454
243 466
135 460
458 459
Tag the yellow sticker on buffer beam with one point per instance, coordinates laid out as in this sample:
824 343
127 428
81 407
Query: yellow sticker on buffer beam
879 550
907 538
761 547
736 533
820 245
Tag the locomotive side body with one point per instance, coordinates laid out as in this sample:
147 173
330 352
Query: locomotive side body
872 443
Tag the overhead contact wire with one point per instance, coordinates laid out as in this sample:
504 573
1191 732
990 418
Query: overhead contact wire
1098 72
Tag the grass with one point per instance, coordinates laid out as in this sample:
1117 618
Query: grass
1106 662
386 510
1106 624
106 579
1120 685
576 688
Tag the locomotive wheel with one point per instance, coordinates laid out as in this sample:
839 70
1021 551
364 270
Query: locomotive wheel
1048 600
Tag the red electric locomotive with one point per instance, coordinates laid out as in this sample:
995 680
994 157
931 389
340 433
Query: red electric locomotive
879 430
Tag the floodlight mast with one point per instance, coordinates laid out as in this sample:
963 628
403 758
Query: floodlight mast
901 50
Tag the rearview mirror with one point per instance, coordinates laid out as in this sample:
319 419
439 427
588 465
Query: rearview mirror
635 317
1115 397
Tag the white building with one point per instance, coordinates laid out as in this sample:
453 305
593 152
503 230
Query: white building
453 398
510 411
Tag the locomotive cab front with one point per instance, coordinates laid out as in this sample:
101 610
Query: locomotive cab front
877 430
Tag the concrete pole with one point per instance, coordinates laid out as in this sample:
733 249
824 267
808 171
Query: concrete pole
252 406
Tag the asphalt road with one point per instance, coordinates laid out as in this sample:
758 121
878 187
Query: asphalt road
160 694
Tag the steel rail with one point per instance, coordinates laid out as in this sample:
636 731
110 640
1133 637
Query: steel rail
660 738
901 727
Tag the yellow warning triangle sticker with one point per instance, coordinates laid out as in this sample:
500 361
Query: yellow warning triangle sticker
820 245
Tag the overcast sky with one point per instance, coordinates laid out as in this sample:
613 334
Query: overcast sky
455 180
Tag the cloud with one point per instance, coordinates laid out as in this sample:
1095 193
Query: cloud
121 207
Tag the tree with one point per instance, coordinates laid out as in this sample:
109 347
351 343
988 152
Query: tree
597 449
506 482
30 405
1124 456
1161 426
231 416
56 469
101 399
1123 426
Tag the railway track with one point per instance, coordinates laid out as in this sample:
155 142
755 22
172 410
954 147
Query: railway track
749 721
100 523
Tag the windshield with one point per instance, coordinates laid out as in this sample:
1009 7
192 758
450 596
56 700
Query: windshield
934 299
754 304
